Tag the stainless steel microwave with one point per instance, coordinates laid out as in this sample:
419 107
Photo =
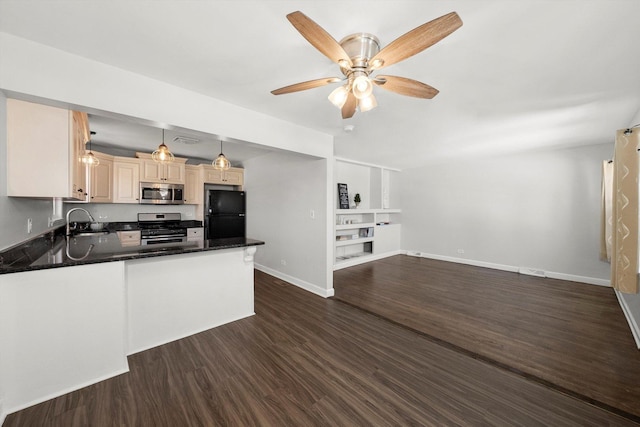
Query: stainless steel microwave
152 193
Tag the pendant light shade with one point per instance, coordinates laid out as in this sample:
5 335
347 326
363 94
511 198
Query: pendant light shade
221 162
162 154
88 158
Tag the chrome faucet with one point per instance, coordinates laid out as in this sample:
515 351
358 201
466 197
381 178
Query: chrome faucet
77 209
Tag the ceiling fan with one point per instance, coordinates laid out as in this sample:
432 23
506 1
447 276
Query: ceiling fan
359 55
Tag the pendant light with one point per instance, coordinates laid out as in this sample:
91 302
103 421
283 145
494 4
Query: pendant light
221 162
88 158
162 154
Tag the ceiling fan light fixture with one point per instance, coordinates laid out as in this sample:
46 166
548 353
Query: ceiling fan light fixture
221 162
344 63
360 54
339 96
367 103
362 86
377 63
162 154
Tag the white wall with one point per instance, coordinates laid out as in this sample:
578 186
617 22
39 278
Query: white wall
358 178
282 190
15 211
537 210
77 81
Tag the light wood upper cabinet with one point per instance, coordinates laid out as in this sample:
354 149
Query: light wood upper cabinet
126 180
193 187
81 135
44 149
152 171
233 176
101 186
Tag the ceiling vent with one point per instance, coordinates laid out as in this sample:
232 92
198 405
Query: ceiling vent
186 140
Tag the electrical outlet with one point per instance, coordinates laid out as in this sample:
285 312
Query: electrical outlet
312 214
460 251
283 262
29 225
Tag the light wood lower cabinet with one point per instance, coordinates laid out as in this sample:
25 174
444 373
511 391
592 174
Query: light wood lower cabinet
126 180
195 233
129 238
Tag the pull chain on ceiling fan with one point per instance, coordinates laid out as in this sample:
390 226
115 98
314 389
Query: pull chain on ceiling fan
359 55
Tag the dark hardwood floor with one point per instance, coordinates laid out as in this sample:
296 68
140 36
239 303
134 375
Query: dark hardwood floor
568 336
303 361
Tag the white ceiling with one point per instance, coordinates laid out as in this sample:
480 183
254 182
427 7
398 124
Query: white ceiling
519 75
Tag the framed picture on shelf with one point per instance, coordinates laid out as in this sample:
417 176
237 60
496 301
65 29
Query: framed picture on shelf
343 196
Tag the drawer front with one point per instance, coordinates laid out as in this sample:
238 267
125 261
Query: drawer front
129 238
195 233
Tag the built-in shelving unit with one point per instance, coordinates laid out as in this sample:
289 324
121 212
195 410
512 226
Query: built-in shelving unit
364 234
372 230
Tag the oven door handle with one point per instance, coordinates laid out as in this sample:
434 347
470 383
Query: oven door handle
164 241
164 236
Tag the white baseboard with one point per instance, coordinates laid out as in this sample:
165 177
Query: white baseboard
581 279
366 258
62 392
464 261
190 333
310 287
514 269
632 321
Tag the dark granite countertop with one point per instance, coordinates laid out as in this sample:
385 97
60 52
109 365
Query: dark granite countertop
54 249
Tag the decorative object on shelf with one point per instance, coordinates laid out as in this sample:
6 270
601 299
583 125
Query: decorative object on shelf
343 196
357 199
359 56
221 162
88 158
162 154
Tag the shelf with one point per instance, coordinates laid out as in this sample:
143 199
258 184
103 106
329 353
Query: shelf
365 211
351 256
353 241
354 225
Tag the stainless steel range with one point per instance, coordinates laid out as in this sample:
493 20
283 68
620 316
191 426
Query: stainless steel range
161 228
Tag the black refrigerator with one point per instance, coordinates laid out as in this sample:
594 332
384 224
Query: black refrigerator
225 214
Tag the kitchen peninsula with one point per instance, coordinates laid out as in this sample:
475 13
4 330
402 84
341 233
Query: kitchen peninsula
73 308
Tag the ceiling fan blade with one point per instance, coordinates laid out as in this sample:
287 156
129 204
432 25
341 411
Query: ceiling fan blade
319 38
349 107
405 86
416 40
305 85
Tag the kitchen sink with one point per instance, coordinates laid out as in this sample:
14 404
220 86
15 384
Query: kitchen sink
89 233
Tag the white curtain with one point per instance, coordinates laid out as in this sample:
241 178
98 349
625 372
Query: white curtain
624 236
606 220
